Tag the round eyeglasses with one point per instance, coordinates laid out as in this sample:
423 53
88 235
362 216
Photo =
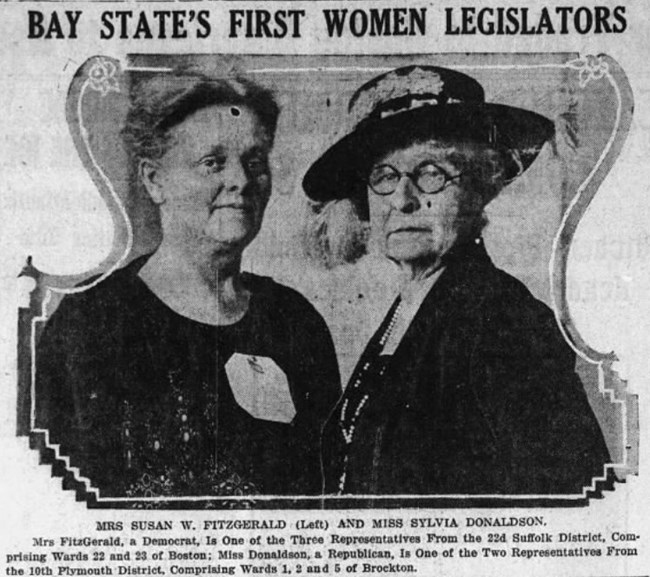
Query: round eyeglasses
429 178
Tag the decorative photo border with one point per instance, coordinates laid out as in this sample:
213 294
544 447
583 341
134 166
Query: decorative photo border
101 74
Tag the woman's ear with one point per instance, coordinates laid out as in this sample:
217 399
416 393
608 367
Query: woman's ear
149 173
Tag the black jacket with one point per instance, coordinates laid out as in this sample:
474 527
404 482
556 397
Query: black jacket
479 398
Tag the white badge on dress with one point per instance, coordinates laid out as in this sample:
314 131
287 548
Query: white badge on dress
260 388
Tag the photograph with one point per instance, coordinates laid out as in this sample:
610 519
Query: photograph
334 281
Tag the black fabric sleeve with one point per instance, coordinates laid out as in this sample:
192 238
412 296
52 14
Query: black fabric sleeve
56 355
75 364
548 438
317 378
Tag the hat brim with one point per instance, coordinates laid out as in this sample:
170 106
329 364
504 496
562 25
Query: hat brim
341 171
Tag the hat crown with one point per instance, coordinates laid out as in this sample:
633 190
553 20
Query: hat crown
412 87
423 102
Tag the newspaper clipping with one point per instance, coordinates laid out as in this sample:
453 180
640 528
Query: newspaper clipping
335 288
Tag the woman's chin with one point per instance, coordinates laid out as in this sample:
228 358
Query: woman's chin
409 252
235 235
231 224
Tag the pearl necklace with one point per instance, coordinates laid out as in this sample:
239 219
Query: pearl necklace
348 431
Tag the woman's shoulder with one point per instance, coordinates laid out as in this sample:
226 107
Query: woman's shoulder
112 296
512 314
515 300
268 289
282 302
483 288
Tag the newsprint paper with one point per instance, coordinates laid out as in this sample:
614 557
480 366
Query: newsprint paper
336 288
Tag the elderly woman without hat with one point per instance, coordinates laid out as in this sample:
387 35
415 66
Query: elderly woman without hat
467 387
179 375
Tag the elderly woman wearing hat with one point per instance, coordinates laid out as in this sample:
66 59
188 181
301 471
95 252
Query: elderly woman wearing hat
179 375
467 386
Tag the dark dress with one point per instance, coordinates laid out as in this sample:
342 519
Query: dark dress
479 398
139 397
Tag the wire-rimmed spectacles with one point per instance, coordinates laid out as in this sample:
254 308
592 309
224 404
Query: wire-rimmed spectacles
429 178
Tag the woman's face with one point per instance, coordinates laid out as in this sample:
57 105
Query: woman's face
415 227
213 183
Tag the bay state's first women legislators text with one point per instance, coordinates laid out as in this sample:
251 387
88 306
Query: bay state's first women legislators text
336 23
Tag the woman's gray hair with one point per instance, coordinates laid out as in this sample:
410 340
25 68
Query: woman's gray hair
337 232
164 100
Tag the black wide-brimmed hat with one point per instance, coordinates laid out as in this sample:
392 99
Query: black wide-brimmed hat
416 103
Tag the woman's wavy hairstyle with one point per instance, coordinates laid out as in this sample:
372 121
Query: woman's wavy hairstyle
337 232
164 100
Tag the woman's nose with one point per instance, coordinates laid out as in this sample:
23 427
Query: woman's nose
235 177
406 197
